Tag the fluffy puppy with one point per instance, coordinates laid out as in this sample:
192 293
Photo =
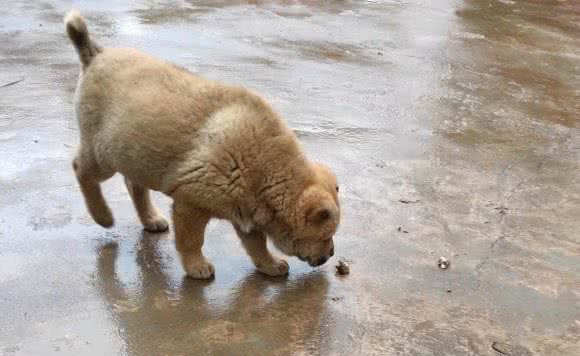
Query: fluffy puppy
218 151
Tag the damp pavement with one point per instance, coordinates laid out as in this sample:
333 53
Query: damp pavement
453 127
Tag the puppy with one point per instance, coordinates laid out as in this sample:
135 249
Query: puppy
218 151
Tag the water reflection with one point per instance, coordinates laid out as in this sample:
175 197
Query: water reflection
253 314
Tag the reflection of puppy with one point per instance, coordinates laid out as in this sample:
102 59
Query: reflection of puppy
220 320
219 151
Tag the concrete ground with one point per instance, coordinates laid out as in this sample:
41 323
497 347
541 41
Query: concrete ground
453 127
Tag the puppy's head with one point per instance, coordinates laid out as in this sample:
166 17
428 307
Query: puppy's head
317 217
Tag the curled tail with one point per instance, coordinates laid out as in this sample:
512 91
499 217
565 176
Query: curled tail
77 31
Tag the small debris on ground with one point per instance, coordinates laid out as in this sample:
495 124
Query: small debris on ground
400 229
12 83
404 201
443 263
335 299
342 268
449 291
502 209
380 53
509 350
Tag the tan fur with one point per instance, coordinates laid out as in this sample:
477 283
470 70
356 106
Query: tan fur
77 31
219 151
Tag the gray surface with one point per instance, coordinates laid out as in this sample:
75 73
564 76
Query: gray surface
469 108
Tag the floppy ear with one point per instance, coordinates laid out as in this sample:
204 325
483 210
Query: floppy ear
319 215
315 205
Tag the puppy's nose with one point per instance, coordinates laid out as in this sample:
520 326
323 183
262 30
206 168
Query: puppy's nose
332 252
322 261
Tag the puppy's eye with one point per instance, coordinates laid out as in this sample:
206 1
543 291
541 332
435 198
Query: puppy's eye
337 189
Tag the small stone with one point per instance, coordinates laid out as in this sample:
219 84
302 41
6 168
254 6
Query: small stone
449 291
342 268
443 263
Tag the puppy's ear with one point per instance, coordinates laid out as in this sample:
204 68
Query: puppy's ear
315 205
319 215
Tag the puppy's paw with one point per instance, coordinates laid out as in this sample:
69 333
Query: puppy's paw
277 267
199 268
103 217
156 224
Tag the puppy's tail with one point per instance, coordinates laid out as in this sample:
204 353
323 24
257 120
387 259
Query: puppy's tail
77 31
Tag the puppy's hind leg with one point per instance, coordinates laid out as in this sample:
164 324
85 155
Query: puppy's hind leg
150 217
89 175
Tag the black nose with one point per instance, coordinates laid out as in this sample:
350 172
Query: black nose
322 261
332 252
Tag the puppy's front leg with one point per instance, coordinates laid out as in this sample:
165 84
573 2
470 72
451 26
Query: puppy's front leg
255 244
189 226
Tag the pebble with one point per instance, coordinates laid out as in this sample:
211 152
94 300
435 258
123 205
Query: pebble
342 268
443 263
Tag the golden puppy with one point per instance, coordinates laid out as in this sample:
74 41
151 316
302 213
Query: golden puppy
218 151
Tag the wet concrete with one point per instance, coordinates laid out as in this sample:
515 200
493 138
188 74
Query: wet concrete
457 121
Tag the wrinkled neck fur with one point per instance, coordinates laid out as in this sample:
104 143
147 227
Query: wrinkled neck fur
281 186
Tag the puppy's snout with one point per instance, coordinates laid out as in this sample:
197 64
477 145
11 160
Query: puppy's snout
322 260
